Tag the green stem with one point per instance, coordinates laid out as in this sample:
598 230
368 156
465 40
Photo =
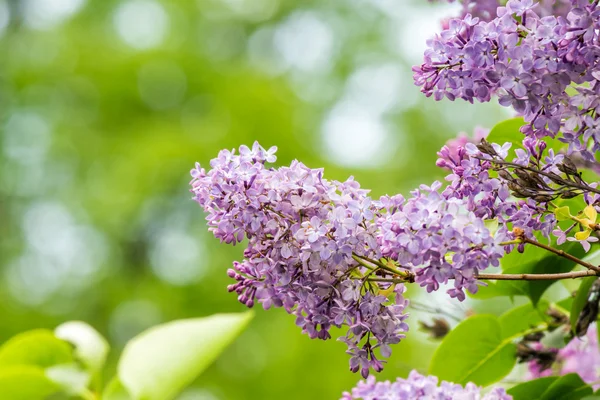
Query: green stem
361 260
86 394
363 263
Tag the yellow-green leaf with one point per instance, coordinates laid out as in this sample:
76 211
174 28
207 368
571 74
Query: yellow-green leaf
38 347
25 382
562 213
160 362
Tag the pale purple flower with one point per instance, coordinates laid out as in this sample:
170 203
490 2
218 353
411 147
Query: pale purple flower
419 387
580 356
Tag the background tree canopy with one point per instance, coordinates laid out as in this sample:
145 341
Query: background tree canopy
106 105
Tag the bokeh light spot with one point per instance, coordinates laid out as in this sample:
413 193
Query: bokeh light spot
356 137
26 137
178 258
142 24
46 14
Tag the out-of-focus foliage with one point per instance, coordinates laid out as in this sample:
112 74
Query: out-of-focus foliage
104 108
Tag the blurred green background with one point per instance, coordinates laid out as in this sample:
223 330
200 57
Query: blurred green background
104 108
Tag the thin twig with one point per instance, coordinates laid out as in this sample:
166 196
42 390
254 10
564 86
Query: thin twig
561 253
511 277
563 181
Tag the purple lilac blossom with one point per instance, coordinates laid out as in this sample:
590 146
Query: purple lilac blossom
439 239
580 355
530 62
419 387
303 232
486 9
306 235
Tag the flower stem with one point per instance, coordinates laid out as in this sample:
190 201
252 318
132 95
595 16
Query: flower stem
363 260
561 253
509 277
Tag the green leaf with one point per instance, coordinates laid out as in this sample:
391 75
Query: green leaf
580 299
160 362
492 225
90 347
25 382
522 318
115 391
70 377
474 351
567 387
531 390
37 347
562 213
508 131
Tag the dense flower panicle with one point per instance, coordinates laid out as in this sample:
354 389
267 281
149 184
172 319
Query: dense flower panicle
306 236
328 254
419 387
439 239
530 62
486 9
580 356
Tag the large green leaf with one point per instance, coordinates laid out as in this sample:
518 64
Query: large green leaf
70 377
115 391
90 347
522 318
474 351
37 347
533 389
508 131
160 362
25 382
567 387
580 299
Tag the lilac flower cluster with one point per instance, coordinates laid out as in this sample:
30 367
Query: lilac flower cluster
486 9
580 355
309 245
329 255
419 387
530 62
438 238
